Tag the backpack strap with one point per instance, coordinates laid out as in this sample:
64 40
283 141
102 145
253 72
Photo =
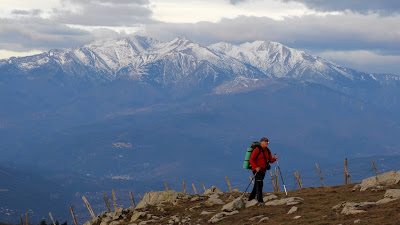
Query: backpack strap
265 157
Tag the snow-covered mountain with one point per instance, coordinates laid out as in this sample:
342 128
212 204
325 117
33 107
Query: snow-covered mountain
183 62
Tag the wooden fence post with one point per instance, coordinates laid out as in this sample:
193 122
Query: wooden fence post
273 180
229 183
22 220
319 171
114 200
73 214
277 179
107 203
298 179
376 171
27 218
133 201
88 206
51 217
184 186
166 186
346 173
204 187
194 188
251 179
140 196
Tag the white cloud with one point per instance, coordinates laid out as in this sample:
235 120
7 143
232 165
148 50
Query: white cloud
366 61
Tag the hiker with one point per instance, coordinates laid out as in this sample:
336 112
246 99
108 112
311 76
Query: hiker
259 161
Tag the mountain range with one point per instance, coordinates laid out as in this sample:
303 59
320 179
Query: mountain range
137 110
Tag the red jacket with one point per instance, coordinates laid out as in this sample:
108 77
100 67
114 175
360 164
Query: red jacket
260 160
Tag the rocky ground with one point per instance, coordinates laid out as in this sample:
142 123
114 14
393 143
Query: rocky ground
375 200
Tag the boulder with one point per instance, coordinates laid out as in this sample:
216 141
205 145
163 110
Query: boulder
385 200
251 203
214 200
137 216
352 208
292 210
159 197
386 179
285 201
269 197
392 193
236 204
213 190
220 216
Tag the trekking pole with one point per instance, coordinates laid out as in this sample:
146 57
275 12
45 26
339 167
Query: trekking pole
249 184
281 177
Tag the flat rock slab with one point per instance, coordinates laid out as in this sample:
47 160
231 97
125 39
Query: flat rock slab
285 201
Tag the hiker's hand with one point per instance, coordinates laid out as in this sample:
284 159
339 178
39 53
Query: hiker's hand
275 156
258 169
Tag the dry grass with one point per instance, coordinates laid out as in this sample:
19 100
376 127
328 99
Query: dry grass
315 209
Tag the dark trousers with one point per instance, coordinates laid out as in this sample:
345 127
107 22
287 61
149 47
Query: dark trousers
258 185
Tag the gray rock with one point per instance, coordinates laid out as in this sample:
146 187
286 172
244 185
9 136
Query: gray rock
256 217
137 215
392 193
236 204
292 210
352 208
297 217
263 219
270 197
206 213
214 200
386 179
251 203
220 216
147 222
158 197
357 221
213 190
285 201
385 200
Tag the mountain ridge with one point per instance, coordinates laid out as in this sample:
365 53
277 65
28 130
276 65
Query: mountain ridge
172 63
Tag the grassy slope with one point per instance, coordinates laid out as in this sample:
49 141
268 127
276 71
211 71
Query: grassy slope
315 209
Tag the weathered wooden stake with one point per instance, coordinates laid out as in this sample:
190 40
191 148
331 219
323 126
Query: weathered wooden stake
88 206
73 214
320 174
346 173
107 203
204 187
298 179
22 220
27 218
194 188
133 201
277 179
51 217
251 179
229 183
184 186
273 180
140 197
166 186
376 171
114 200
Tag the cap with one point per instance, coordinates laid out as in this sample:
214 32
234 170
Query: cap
264 139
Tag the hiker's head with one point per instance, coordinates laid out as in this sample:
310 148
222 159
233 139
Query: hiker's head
264 142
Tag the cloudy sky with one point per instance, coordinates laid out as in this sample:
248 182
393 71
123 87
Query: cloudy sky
360 34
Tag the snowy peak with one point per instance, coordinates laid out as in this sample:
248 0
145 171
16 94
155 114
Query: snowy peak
184 61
